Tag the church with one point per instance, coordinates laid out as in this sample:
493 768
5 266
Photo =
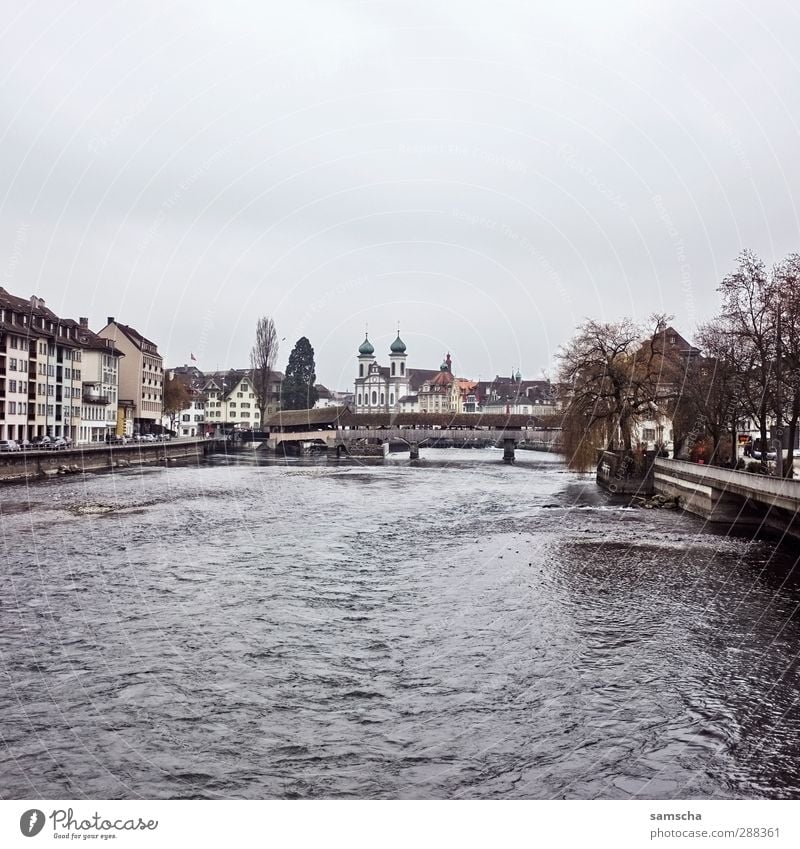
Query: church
387 389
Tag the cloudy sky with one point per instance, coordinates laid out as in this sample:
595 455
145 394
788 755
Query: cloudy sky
486 174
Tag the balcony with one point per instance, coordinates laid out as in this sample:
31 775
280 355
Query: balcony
95 399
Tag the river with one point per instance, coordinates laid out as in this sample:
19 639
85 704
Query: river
455 629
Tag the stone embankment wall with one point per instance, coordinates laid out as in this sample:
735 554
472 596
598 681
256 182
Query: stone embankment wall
32 465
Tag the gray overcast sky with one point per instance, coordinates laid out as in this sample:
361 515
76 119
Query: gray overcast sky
487 174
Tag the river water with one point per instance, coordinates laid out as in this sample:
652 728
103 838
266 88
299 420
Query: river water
455 629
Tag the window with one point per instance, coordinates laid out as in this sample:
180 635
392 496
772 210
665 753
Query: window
402 368
361 369
649 434
374 397
239 395
12 385
382 396
391 397
232 404
359 399
393 368
12 408
12 364
245 387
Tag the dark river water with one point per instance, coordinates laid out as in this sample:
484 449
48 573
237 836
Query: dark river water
457 629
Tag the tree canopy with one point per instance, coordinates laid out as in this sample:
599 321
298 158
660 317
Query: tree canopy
177 396
611 375
298 390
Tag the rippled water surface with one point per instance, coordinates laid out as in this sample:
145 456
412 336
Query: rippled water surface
454 629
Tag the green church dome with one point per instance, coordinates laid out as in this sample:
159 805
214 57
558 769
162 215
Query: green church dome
398 346
366 347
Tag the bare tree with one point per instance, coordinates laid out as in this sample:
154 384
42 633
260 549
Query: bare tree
748 318
787 300
262 362
710 399
612 375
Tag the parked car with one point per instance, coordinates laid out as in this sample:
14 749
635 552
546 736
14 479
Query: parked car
25 444
756 454
40 441
60 443
119 440
9 445
147 437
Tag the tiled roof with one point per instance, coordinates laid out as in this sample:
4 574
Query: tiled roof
135 336
318 417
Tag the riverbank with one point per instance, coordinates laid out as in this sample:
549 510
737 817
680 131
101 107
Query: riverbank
23 466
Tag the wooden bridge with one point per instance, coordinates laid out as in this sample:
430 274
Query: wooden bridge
343 433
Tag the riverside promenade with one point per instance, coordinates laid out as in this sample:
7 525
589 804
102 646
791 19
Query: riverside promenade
731 497
32 465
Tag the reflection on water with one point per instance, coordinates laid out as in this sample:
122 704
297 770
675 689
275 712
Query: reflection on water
453 629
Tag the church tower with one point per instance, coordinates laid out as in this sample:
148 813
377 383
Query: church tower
398 372
366 357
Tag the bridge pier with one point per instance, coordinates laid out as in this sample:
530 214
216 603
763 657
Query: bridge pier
508 450
414 450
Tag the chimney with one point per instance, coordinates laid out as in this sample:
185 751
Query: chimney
110 319
84 322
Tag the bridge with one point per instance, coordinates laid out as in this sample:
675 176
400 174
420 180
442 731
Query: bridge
731 497
342 432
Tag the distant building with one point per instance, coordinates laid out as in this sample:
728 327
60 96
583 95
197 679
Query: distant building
443 393
40 370
141 374
231 402
330 398
100 386
513 396
387 389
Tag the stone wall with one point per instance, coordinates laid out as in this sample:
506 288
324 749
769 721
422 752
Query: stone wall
32 465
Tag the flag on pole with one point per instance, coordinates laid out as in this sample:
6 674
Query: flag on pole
194 359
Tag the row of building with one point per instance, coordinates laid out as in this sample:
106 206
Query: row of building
59 378
396 387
